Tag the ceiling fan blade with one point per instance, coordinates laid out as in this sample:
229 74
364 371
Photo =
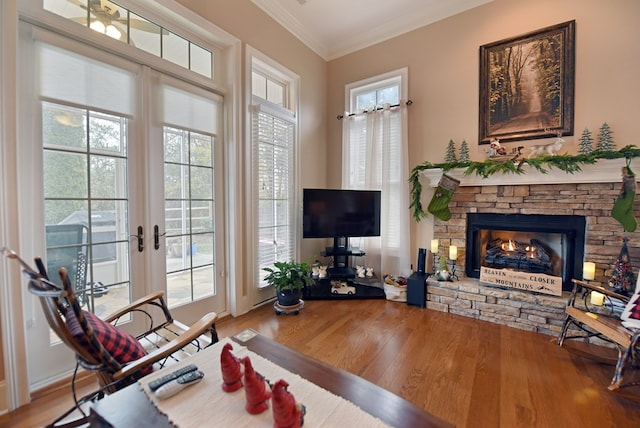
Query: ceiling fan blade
146 26
79 3
80 20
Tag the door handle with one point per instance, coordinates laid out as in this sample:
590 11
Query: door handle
140 237
156 237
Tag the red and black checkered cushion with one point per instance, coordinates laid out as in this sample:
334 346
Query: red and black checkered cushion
122 346
631 313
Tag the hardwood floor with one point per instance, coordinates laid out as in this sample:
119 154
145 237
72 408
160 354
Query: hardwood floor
469 372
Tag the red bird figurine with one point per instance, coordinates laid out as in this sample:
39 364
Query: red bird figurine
231 369
287 413
256 388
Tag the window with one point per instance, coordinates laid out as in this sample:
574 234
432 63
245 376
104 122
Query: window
376 95
189 205
375 157
85 204
85 171
273 152
117 22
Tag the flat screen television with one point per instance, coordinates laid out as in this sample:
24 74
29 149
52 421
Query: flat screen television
336 213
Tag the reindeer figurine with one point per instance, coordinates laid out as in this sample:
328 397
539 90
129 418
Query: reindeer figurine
548 149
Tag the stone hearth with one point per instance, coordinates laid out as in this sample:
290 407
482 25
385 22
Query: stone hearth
590 193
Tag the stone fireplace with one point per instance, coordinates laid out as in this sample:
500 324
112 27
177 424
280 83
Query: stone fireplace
586 198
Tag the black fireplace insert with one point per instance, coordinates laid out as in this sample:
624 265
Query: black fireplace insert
538 243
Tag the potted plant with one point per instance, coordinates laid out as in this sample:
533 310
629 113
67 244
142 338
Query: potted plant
289 279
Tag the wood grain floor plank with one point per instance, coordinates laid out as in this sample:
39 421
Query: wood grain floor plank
469 372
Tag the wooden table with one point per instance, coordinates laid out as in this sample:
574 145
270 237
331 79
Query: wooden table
130 407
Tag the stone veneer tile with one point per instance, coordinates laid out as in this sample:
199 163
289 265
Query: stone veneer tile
541 313
441 307
498 309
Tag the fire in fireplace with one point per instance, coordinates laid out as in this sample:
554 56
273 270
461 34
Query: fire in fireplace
551 245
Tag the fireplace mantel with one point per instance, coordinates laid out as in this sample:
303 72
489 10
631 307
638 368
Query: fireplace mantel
604 171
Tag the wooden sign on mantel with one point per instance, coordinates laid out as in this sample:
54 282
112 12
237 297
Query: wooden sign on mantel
525 281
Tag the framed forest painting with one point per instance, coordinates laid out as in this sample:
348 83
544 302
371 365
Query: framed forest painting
527 85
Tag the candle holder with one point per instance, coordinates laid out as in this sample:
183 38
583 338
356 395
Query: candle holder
452 269
434 266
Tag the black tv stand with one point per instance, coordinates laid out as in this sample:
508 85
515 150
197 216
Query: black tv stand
365 288
341 273
341 253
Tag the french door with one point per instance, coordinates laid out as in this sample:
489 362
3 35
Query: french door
123 167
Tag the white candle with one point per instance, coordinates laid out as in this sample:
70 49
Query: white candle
597 298
434 246
453 252
589 271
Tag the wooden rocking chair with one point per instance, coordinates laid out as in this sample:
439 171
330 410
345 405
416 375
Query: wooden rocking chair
606 326
116 357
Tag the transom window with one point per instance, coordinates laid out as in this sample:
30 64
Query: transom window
268 89
113 20
375 95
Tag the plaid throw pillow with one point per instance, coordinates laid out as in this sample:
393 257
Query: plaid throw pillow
122 346
631 315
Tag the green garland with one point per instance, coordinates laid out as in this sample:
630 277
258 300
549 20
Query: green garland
567 163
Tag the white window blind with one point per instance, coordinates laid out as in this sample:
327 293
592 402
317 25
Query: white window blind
273 139
72 78
186 109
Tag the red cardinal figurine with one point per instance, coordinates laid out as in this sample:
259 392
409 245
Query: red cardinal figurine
257 390
287 413
231 369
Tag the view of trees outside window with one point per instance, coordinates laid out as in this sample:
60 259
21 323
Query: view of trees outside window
86 207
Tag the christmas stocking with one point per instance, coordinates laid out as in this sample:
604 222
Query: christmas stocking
623 206
439 205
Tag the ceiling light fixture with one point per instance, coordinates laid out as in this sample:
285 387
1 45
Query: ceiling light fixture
110 30
97 26
113 32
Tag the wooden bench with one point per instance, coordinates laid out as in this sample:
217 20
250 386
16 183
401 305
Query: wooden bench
606 326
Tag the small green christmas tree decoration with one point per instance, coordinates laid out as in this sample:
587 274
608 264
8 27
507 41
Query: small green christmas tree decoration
623 281
464 152
451 153
605 141
586 143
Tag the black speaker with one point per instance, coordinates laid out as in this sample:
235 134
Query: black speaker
417 289
422 260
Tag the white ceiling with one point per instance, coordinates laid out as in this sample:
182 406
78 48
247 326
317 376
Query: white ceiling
333 28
